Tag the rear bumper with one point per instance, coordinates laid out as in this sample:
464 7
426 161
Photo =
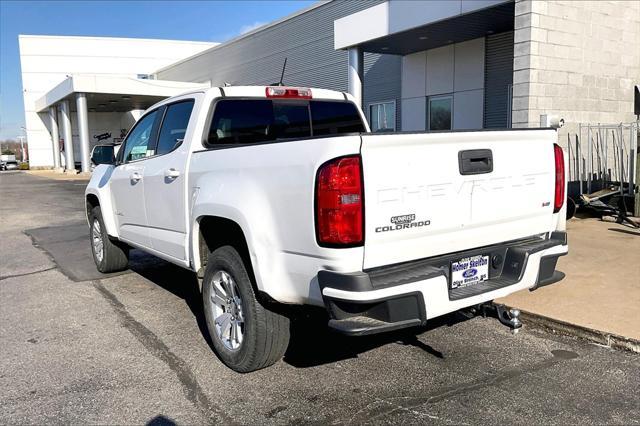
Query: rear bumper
409 294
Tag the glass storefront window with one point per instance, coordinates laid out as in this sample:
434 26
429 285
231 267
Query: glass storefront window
383 117
440 112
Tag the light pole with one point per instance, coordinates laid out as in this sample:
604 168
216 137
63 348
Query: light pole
22 138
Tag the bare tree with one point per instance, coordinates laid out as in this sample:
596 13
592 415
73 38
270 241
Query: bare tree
12 146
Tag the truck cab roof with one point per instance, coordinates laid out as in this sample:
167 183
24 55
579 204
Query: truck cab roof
261 92
292 92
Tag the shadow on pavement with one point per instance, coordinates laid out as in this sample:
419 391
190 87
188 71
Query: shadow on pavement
68 247
624 231
312 342
179 281
161 420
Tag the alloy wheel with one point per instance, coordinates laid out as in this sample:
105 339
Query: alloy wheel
227 311
96 240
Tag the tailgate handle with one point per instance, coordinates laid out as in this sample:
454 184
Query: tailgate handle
475 161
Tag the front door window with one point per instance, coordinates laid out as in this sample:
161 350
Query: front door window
139 142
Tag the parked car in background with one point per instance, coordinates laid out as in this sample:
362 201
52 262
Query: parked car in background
9 165
281 195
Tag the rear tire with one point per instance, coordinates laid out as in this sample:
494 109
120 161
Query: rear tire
109 255
261 336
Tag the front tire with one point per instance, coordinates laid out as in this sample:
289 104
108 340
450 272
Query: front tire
109 255
246 335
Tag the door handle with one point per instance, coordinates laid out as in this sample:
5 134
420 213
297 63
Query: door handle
171 173
135 177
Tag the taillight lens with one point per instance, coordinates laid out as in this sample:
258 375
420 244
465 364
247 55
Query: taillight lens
339 204
288 92
558 201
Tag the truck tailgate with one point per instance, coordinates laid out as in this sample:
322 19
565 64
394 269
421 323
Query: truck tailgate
423 199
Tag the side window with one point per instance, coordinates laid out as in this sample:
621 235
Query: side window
174 126
139 144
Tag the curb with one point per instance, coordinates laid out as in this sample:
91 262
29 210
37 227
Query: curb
613 341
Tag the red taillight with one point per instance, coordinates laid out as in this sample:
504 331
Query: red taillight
288 92
558 200
339 216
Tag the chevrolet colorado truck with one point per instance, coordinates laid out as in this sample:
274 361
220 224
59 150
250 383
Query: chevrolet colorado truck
282 195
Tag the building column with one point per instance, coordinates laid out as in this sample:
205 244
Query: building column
66 134
55 135
83 131
356 73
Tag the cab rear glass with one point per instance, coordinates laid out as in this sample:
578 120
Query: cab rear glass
248 121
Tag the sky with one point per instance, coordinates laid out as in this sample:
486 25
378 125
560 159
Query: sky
215 21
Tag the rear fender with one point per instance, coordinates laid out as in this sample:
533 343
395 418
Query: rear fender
209 204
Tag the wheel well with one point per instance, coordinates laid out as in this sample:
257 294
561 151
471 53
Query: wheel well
92 201
216 232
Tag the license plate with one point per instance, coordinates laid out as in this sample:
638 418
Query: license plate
469 271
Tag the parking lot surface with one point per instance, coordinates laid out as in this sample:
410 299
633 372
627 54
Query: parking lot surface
132 348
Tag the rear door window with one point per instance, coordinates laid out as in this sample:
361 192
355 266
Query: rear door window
174 126
247 121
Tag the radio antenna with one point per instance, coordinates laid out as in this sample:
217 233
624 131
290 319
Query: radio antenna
284 66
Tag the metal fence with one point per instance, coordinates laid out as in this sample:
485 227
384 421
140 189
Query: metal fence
602 155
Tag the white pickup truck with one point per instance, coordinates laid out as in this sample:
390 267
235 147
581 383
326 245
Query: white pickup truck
281 195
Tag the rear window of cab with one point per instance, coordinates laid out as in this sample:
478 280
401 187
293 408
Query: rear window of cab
248 121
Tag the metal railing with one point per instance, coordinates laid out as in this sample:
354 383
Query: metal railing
602 155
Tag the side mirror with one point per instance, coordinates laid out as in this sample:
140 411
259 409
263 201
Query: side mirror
103 154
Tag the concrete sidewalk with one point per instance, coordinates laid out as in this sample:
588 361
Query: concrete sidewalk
601 290
50 174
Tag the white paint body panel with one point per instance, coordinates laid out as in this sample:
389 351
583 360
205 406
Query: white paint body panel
100 186
166 198
419 174
269 191
127 198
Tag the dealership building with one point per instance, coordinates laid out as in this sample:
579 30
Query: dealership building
413 66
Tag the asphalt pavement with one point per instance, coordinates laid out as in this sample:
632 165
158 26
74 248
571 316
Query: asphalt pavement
78 347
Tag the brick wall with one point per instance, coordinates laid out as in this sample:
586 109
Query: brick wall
575 59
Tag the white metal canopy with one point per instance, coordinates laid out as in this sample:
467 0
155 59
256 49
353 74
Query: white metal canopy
84 93
108 93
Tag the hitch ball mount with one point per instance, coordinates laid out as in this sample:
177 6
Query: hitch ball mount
507 316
